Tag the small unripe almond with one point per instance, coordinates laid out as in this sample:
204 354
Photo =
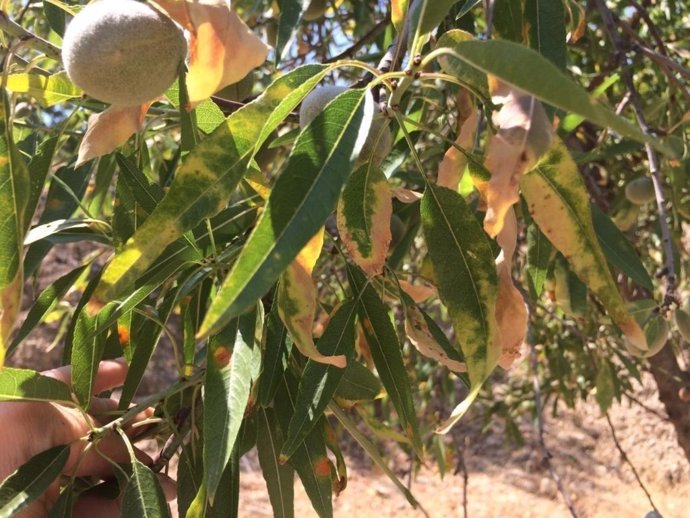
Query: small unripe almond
684 394
640 191
123 52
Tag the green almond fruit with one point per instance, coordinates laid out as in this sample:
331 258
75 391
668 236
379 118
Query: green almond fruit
640 191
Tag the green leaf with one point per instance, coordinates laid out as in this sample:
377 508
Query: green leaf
319 381
291 12
304 196
618 250
31 480
539 251
508 19
605 386
276 357
425 16
363 218
207 114
525 69
558 202
48 91
45 303
28 385
39 165
65 502
310 460
234 361
386 351
14 194
358 383
208 176
278 477
143 496
469 75
87 351
546 30
465 273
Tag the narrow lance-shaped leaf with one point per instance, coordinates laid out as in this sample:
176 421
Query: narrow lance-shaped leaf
425 15
525 69
386 352
546 30
557 200
38 171
47 90
319 382
28 385
467 282
278 477
291 12
144 495
277 349
207 177
234 362
14 193
310 460
363 218
296 300
304 195
31 480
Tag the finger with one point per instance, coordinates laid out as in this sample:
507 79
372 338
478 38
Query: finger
98 460
110 374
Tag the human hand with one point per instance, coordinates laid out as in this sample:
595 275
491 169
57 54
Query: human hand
33 427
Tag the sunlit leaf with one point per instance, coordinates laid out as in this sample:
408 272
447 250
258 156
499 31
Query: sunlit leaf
47 90
143 495
207 177
557 200
28 385
452 167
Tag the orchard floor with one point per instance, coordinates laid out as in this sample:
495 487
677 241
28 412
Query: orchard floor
504 481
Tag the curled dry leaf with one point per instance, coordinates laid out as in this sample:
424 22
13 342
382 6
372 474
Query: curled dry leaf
454 161
524 135
296 299
110 129
222 49
406 195
419 334
418 292
511 311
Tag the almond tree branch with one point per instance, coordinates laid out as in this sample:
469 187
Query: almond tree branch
669 271
31 40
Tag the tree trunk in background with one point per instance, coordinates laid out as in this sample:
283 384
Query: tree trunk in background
667 374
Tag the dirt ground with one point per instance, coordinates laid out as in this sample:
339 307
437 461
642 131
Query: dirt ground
504 481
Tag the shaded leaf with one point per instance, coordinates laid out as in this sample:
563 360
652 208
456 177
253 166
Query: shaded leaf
358 383
143 496
466 277
605 386
419 334
386 352
319 381
304 195
546 30
291 12
469 75
277 350
278 477
31 480
234 362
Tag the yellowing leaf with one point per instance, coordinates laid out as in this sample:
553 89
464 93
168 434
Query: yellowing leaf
558 202
47 90
223 49
363 218
398 13
511 311
418 332
406 195
296 299
453 165
110 129
524 135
